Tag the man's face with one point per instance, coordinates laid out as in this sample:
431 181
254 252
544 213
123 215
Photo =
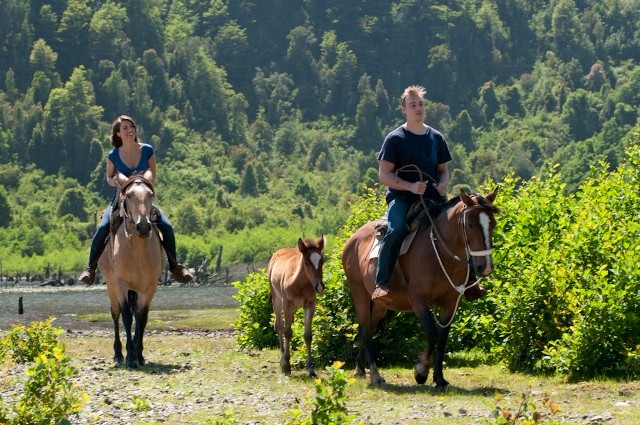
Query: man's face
413 108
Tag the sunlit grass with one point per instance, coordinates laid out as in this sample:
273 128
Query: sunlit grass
202 320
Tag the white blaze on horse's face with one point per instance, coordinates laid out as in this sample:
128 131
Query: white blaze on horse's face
485 223
315 258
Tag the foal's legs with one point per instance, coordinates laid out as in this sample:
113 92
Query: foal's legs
280 327
308 318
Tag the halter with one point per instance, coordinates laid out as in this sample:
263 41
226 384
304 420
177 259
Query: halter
124 213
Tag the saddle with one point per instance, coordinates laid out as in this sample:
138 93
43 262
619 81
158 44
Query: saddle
416 215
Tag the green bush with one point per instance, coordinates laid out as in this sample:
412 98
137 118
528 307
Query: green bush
329 405
26 343
254 327
49 396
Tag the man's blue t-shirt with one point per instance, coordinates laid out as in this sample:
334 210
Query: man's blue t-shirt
402 147
121 167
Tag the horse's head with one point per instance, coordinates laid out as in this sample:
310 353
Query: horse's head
312 253
136 196
477 217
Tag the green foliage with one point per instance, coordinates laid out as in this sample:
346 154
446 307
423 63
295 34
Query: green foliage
50 396
329 406
563 297
26 343
526 413
254 327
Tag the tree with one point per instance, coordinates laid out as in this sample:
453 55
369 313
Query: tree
249 185
73 203
107 35
462 131
71 124
5 209
581 114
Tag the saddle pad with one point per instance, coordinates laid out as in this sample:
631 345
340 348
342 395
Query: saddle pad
406 243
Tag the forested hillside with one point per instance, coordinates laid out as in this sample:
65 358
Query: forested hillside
266 115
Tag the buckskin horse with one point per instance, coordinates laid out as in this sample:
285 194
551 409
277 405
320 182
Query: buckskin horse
295 276
132 263
432 273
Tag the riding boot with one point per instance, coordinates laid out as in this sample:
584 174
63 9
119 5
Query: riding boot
88 276
474 291
179 272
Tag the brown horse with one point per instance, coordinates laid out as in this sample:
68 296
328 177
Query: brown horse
132 264
432 273
295 275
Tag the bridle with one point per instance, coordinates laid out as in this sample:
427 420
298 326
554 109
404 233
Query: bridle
124 212
434 235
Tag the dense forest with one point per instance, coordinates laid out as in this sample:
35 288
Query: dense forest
266 115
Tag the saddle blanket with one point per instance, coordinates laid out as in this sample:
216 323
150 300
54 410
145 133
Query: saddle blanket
406 243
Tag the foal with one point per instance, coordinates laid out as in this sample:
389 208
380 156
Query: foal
295 275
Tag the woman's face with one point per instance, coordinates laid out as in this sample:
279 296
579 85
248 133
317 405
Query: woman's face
127 131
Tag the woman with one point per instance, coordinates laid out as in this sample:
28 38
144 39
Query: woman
128 156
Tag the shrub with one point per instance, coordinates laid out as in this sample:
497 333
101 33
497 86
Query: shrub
50 396
254 327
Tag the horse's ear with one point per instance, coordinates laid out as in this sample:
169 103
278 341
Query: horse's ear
492 196
121 178
322 241
465 197
301 246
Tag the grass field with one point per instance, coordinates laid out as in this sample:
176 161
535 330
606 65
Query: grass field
196 374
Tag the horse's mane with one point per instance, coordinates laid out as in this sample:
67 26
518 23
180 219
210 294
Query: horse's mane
436 210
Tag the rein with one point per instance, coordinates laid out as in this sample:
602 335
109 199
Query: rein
434 235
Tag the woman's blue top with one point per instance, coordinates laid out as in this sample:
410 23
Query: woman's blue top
121 167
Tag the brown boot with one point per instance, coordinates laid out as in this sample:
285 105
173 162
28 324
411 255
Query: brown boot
474 291
181 273
382 294
88 276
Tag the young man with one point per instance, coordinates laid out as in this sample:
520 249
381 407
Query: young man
413 143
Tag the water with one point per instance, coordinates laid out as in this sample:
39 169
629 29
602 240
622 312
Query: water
65 303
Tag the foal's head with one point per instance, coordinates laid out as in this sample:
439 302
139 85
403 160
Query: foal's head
477 218
313 259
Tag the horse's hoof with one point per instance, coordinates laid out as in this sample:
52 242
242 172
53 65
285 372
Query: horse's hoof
442 385
286 370
420 374
119 359
378 382
312 373
141 361
132 364
359 373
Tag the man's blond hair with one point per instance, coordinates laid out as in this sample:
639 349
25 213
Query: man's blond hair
411 91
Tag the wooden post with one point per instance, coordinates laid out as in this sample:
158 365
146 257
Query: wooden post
20 309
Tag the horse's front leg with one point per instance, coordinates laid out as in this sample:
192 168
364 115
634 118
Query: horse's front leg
127 320
438 376
142 315
308 335
117 345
